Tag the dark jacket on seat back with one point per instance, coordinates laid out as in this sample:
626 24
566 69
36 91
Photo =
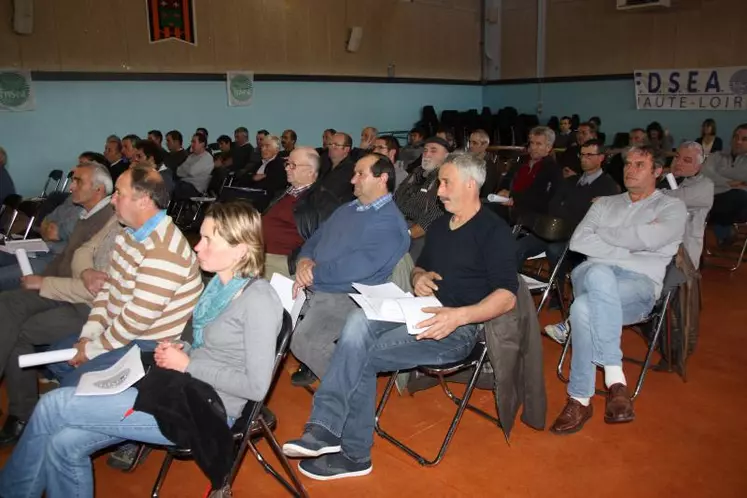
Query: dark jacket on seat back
191 415
572 201
515 352
337 179
312 208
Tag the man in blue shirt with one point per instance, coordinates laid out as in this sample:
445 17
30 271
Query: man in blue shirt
361 242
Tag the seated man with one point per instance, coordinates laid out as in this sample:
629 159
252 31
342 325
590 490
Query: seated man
629 239
288 140
148 153
417 196
530 185
479 141
571 202
194 173
295 215
570 158
337 167
389 146
696 191
6 182
728 171
269 174
468 264
616 165
361 242
33 311
176 152
411 153
154 281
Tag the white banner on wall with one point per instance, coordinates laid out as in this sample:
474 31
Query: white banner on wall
720 88
16 91
240 88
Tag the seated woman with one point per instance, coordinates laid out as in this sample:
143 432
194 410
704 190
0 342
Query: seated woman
235 324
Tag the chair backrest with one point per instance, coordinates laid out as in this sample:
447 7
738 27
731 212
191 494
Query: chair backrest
65 183
53 180
551 229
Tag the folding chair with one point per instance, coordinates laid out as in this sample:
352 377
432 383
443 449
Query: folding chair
29 209
720 255
475 360
247 429
53 182
66 182
9 213
657 319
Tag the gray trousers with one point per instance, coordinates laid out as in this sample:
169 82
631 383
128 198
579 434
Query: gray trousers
315 336
30 320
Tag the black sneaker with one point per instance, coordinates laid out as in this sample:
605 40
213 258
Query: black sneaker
123 458
316 441
303 377
330 467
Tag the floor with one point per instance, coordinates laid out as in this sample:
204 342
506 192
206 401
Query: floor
688 440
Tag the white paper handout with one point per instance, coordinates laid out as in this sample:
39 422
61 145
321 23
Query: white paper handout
389 303
284 288
497 198
29 245
47 357
115 379
23 262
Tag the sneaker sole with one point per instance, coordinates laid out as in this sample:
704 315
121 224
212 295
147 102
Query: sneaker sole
358 473
297 451
552 336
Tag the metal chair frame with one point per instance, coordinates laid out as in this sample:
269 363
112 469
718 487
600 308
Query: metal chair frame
476 360
659 317
55 174
721 255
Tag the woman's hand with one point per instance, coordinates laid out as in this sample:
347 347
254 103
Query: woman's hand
170 355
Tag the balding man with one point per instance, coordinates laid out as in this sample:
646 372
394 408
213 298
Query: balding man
294 215
338 166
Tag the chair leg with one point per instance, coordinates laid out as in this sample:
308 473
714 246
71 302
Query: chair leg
297 488
462 406
741 256
165 466
561 360
652 346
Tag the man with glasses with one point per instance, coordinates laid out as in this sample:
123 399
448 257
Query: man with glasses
569 159
389 146
571 202
294 215
417 196
478 147
337 167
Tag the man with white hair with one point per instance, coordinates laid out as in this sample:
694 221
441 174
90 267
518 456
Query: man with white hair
468 264
417 195
294 215
479 140
269 174
696 191
531 184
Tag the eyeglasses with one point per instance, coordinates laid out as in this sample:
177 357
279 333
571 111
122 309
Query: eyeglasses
337 146
380 147
589 154
292 165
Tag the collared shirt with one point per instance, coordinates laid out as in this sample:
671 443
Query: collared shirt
296 191
144 231
98 207
588 179
377 204
265 162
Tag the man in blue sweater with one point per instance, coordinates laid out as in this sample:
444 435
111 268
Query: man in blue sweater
361 242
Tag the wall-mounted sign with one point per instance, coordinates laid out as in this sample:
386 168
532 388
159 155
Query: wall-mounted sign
171 20
721 88
16 91
240 88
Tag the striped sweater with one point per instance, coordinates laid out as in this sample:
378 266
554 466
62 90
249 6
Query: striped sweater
153 287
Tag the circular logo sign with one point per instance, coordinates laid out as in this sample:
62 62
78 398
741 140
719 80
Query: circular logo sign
738 82
14 90
241 88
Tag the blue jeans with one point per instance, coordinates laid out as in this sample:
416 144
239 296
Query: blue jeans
345 402
69 375
605 299
53 454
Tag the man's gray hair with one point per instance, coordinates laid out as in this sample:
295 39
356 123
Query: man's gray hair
469 166
274 139
645 150
690 144
310 155
101 176
482 135
544 131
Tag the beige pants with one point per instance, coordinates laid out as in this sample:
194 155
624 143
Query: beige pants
276 263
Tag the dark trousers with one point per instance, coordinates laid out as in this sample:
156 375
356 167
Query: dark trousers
185 191
530 245
728 208
29 320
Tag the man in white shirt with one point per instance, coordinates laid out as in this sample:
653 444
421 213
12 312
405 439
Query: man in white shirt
195 172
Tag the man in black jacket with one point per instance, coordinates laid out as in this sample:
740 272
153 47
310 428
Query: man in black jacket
571 201
336 170
294 215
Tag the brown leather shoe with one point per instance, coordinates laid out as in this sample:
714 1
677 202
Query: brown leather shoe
572 418
619 407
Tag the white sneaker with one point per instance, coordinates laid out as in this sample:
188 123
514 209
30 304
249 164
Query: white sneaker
558 332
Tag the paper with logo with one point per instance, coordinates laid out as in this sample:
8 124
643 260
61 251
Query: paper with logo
389 303
16 91
240 87
284 288
115 379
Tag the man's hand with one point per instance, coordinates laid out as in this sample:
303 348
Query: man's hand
568 172
170 355
80 356
259 176
50 231
737 184
504 193
424 283
32 282
304 275
93 280
445 321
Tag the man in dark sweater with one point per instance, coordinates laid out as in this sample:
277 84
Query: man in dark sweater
337 167
531 184
571 202
361 242
468 264
570 158
177 154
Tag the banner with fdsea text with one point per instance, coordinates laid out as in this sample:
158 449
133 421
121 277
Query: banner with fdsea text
709 89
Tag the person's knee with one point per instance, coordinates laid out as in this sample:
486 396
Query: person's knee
598 277
355 329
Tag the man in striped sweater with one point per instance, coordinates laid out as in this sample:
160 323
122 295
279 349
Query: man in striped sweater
153 282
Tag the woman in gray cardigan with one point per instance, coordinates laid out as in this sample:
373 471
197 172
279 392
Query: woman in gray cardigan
235 323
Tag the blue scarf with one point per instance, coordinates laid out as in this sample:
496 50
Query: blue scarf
213 301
